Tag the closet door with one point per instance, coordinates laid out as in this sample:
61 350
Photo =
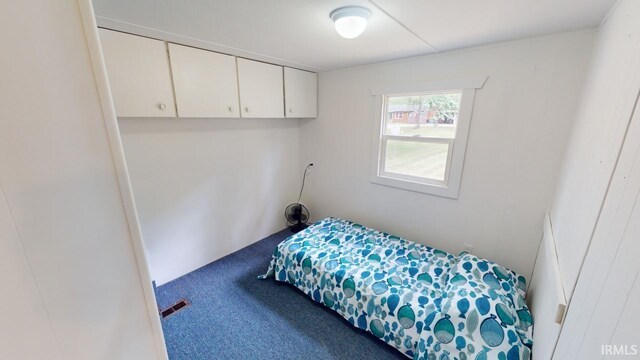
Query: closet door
261 89
300 93
139 75
603 310
205 82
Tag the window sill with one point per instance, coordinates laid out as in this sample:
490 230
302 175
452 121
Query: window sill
437 190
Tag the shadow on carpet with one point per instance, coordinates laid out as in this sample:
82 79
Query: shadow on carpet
233 315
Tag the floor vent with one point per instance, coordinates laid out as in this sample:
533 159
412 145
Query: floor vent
183 303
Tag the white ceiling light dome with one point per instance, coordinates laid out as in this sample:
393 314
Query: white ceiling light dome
350 21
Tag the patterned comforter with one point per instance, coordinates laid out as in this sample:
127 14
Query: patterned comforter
425 302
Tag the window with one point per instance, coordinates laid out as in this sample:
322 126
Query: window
424 150
418 149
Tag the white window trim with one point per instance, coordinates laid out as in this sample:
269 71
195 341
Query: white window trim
450 187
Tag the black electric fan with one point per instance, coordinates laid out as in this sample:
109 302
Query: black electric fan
297 214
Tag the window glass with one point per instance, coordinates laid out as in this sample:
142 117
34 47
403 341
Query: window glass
418 159
423 115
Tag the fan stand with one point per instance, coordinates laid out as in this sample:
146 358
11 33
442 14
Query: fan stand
298 227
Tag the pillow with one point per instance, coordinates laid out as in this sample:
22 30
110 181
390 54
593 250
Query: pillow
483 303
486 271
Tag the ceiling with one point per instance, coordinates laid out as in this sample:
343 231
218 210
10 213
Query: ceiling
299 33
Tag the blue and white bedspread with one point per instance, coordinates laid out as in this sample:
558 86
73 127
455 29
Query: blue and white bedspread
425 302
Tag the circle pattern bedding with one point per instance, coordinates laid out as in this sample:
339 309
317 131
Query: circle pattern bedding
425 302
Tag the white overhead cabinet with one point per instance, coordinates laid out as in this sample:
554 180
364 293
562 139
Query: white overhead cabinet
139 75
205 83
261 89
152 78
300 93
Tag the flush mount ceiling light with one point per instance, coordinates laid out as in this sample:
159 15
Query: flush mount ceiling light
350 21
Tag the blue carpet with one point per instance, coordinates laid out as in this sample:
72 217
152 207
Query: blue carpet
236 316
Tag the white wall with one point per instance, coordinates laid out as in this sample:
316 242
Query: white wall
601 121
74 290
596 208
519 128
604 307
545 296
207 187
27 322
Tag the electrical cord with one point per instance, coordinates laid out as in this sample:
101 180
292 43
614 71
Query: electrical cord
303 179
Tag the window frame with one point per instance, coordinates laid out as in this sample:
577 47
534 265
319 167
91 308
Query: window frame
450 186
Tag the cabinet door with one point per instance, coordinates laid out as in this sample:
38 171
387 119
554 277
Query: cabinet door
139 75
205 82
300 93
261 89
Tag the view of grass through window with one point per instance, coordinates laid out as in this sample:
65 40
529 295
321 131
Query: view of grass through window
426 125
426 160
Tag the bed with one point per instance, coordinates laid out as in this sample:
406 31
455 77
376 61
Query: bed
425 302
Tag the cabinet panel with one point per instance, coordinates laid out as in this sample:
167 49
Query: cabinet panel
205 82
139 75
261 89
300 93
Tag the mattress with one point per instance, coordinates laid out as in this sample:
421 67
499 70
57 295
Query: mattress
425 302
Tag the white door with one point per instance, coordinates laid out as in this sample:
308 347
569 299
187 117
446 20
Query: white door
300 93
139 75
261 89
603 321
205 82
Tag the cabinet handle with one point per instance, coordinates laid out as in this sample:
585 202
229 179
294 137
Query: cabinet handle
162 106
291 110
247 109
230 108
